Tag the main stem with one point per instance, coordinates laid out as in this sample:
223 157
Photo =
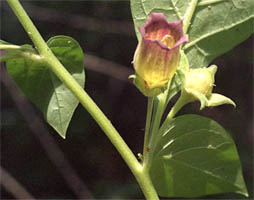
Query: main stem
142 177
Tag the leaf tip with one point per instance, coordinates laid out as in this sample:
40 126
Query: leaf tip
63 136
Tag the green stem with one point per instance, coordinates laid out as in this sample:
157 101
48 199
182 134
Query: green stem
53 63
148 123
28 25
107 127
16 47
188 15
155 128
174 110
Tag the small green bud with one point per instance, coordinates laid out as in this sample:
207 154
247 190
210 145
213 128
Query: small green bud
200 80
198 85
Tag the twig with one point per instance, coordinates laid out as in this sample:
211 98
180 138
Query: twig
13 186
48 143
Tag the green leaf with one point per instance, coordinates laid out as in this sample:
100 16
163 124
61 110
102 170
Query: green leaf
216 27
44 89
196 157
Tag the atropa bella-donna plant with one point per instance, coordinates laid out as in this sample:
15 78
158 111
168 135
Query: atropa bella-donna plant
179 153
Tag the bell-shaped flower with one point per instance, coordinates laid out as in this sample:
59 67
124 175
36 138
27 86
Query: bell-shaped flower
157 54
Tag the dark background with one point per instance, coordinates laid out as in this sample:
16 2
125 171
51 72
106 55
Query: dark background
85 164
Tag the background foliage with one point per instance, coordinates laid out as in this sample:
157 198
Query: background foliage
105 30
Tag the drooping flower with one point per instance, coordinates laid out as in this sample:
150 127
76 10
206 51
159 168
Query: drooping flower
157 54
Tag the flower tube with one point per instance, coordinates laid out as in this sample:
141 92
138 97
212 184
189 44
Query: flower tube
157 54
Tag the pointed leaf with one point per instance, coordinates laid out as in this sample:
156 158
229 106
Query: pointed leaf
217 28
196 157
44 89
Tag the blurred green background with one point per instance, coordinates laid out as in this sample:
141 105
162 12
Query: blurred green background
86 165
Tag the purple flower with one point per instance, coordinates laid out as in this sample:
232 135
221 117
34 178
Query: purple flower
157 54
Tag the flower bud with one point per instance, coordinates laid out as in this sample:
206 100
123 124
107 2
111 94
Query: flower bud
157 54
198 85
200 80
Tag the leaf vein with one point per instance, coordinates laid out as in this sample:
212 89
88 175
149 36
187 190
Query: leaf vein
201 51
205 172
176 10
195 148
58 102
143 6
190 44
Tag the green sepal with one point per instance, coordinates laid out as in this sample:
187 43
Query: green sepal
141 85
184 63
218 99
190 94
195 95
181 76
213 70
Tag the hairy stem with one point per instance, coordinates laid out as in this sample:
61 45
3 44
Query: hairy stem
54 64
